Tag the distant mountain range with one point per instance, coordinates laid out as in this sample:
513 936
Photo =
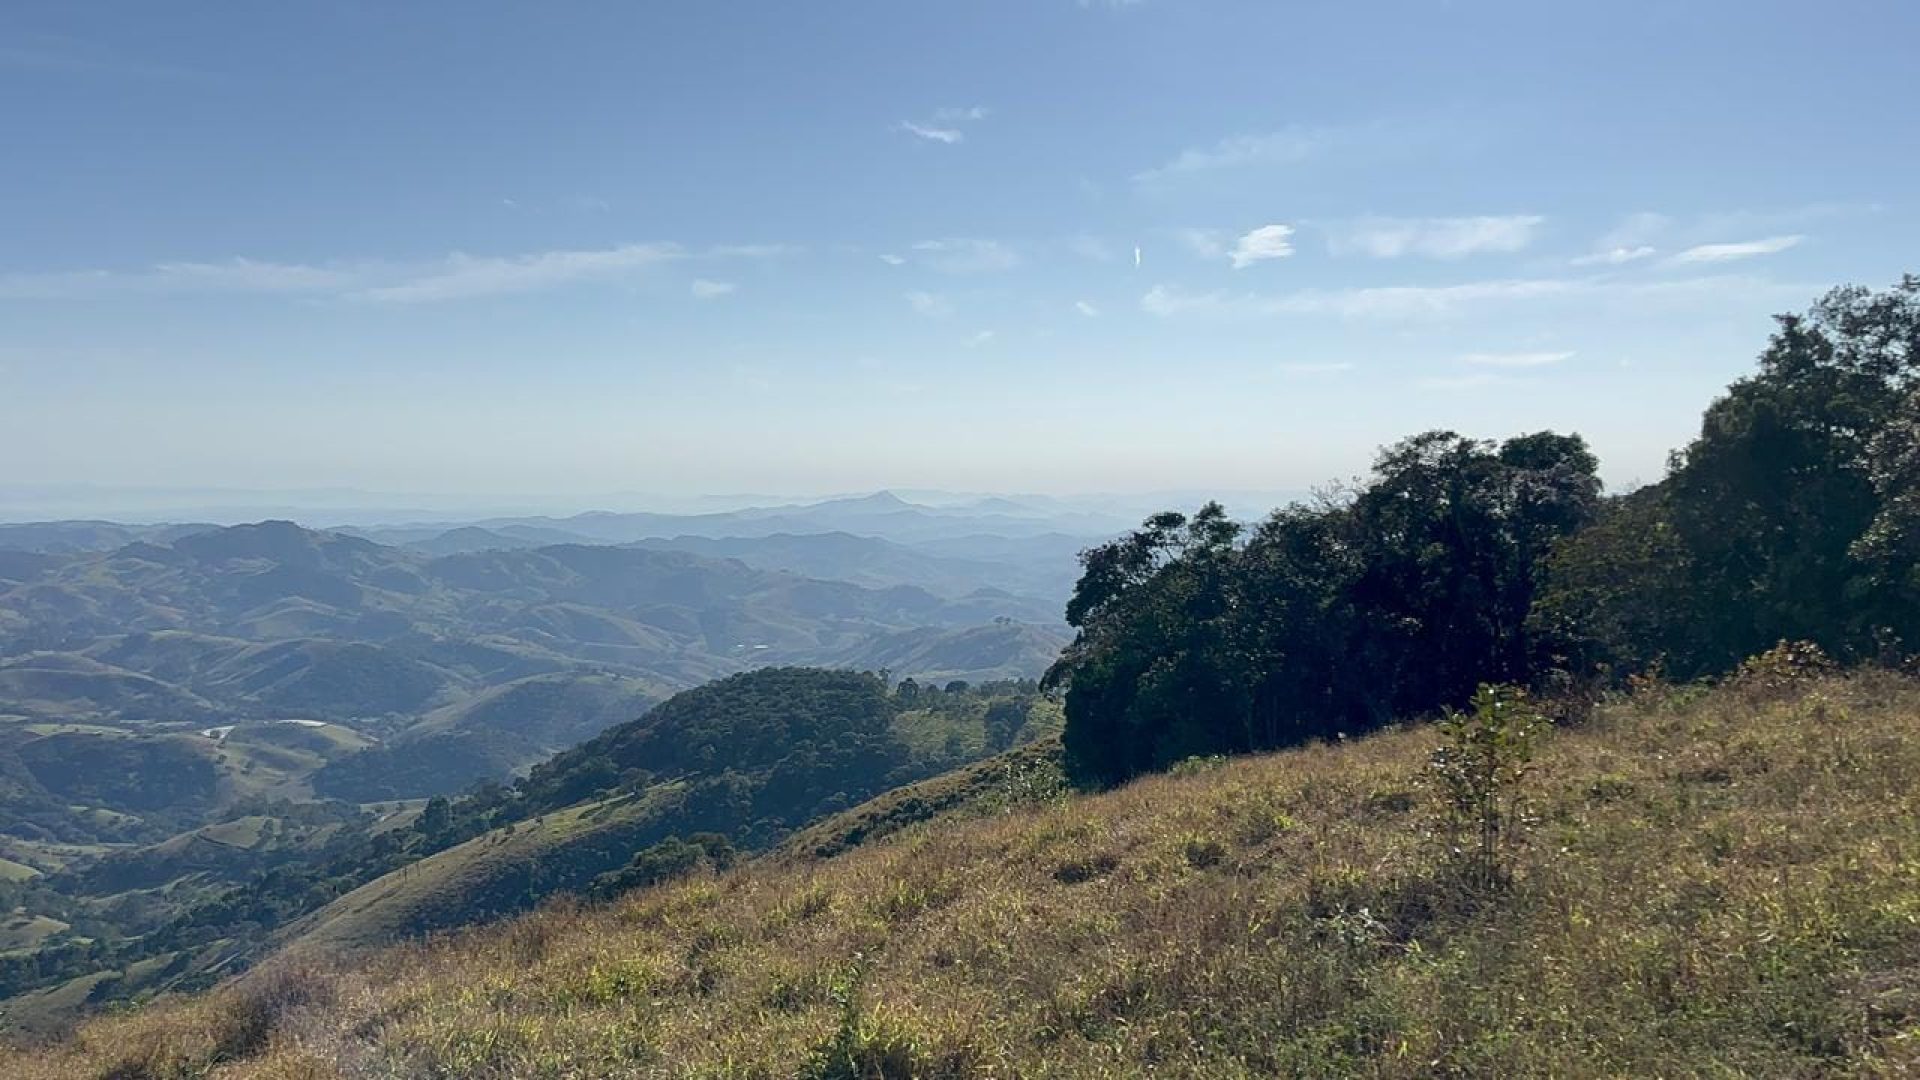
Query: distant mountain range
274 618
456 654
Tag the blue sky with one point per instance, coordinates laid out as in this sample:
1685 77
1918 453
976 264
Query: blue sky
1046 245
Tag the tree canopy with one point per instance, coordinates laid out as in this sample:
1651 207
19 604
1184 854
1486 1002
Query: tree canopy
1795 514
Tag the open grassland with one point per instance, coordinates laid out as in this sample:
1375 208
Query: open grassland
1720 883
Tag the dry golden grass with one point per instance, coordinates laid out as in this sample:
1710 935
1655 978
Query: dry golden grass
1722 883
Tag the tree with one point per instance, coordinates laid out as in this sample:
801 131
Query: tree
1335 617
1792 515
1003 721
437 816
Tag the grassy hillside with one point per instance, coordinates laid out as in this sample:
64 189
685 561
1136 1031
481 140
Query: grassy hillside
1719 883
495 872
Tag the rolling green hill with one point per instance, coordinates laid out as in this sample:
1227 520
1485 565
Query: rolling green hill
1718 883
749 759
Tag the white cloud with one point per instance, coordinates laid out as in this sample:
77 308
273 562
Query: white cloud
1399 302
1278 147
711 290
238 275
1436 238
948 136
752 251
1393 301
461 276
1265 242
1085 308
932 305
1516 359
451 277
1614 256
1713 253
892 260
982 338
945 127
1697 238
966 256
1319 368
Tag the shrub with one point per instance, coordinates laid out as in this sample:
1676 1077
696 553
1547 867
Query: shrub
1781 670
1484 756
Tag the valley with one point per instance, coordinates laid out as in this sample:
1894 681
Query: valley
192 715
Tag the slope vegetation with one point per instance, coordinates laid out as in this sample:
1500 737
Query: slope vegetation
1720 882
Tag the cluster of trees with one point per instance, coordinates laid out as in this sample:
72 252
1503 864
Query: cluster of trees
1795 514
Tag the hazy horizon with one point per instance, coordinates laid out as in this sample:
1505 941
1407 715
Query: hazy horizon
354 507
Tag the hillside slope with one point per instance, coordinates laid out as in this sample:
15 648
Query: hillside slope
1723 883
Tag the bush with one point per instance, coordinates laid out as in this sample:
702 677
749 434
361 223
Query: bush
1483 758
669 859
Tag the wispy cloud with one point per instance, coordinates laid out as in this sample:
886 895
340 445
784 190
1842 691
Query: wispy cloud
752 251
1401 302
1265 242
932 305
1434 238
1516 359
1616 256
946 135
946 125
711 290
1301 145
984 337
381 281
237 275
455 276
1746 249
1699 238
892 260
1276 147
1393 301
1086 309
462 276
966 256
